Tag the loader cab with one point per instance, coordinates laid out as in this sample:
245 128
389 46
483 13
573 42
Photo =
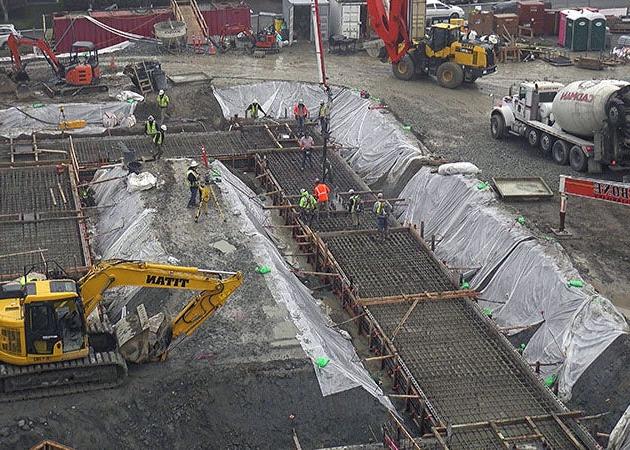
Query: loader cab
54 322
442 36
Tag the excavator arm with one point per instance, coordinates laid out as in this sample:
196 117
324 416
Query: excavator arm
14 44
216 287
390 23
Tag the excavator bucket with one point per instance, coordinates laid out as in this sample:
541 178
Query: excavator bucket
141 338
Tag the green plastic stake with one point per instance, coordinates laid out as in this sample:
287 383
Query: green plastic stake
521 220
37 105
487 311
407 127
465 285
574 282
482 185
322 362
263 269
550 380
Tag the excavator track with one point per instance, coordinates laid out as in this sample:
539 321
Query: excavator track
98 370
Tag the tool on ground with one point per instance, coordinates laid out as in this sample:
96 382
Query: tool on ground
50 347
65 124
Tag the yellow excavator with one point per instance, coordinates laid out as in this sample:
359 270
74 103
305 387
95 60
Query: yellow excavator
48 347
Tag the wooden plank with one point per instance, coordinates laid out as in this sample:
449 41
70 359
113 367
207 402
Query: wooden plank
395 299
404 319
568 433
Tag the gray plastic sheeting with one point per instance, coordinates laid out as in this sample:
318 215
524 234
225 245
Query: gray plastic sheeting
521 279
345 369
374 143
125 232
45 119
620 435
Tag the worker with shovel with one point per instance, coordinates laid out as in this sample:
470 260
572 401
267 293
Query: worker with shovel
354 206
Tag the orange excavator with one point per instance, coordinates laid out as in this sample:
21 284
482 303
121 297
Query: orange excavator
81 73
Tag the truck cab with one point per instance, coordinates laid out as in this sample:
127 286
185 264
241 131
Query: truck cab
533 101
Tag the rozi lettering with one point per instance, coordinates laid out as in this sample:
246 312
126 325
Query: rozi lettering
166 281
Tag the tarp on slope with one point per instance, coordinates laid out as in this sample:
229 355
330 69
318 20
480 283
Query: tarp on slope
374 143
523 281
345 369
125 231
25 120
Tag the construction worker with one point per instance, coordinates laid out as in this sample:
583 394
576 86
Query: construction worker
158 140
306 144
300 112
162 102
355 204
324 116
150 127
321 193
327 177
204 197
381 209
193 183
307 206
253 109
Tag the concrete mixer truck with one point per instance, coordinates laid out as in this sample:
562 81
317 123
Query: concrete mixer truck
585 124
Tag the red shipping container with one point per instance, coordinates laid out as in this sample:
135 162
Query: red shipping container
551 22
503 22
232 15
68 29
528 10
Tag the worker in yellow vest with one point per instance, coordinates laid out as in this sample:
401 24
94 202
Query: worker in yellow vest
162 102
150 127
158 140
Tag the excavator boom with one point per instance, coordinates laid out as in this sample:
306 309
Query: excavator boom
391 26
14 44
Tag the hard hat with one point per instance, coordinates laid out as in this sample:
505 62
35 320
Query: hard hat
302 191
380 195
316 180
150 118
300 102
163 128
255 100
194 164
351 191
161 92
322 102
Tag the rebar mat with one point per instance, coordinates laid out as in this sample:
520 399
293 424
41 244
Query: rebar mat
34 189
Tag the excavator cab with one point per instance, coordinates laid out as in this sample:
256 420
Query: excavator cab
83 69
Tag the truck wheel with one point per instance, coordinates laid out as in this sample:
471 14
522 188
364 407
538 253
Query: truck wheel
533 137
497 126
560 152
404 69
616 113
450 75
577 159
546 142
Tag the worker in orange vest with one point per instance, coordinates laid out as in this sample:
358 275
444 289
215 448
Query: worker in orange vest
321 193
300 112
